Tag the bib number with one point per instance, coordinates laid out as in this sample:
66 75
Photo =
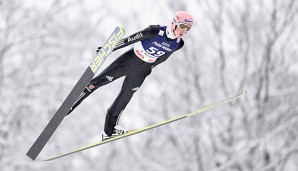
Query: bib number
155 52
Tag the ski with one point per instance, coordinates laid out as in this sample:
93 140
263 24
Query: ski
89 73
150 127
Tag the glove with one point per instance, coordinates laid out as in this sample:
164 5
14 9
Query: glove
98 49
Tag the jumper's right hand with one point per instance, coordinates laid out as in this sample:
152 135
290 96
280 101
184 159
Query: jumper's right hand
98 49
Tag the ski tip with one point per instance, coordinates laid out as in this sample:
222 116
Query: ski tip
240 94
244 92
120 30
120 27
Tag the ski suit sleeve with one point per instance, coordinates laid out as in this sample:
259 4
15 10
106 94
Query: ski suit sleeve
147 33
166 56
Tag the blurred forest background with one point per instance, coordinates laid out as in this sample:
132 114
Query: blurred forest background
234 45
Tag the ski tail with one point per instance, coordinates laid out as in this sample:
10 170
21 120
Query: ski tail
216 104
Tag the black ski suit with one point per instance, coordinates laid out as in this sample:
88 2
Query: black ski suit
133 67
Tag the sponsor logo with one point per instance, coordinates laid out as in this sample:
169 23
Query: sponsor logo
135 89
120 43
151 60
164 46
186 20
110 78
161 32
139 35
90 87
106 49
139 54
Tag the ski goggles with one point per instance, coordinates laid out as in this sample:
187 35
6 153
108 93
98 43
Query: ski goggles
182 26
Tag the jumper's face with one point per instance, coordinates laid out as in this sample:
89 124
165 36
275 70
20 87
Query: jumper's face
181 28
179 33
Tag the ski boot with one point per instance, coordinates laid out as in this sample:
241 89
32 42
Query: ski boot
118 130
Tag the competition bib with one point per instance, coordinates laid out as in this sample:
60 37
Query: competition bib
149 50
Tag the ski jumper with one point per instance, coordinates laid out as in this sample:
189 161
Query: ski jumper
151 48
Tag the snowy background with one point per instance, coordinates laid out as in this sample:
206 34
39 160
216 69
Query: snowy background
234 45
